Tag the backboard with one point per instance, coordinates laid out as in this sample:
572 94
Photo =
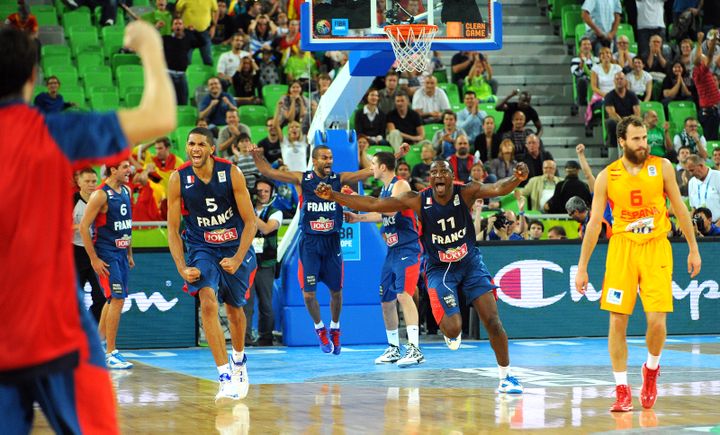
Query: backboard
358 24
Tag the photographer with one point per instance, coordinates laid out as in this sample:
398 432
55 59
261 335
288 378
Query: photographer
505 226
703 223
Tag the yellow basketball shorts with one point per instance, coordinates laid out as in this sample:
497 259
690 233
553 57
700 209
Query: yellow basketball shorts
635 268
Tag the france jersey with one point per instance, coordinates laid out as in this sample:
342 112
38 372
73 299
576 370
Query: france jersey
399 230
113 229
211 215
318 216
448 234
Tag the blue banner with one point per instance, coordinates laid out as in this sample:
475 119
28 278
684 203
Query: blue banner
350 241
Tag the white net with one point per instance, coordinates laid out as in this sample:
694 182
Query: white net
411 44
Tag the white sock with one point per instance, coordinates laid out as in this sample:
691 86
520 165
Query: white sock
393 337
237 357
620 378
319 325
225 368
503 371
413 332
653 361
334 325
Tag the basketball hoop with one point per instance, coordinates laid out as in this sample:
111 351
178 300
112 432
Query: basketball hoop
411 44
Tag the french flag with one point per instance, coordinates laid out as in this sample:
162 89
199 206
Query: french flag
190 179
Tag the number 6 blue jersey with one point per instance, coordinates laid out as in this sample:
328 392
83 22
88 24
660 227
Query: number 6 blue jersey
113 229
448 234
211 215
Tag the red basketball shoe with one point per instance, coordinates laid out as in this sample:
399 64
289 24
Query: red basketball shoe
648 392
624 399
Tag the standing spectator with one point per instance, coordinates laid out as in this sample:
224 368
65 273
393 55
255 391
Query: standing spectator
619 103
268 66
487 144
623 56
420 175
523 105
682 174
301 66
163 163
225 28
541 188
690 137
404 124
567 188
200 18
504 165
246 83
176 47
462 161
262 33
370 121
253 11
290 42
478 81
656 62
294 148
581 67
658 137
707 88
534 156
686 17
51 101
271 143
229 62
23 20
470 118
444 139
602 18
640 81
518 134
216 104
704 187
293 107
650 21
268 222
677 85
388 94
161 18
430 102
230 134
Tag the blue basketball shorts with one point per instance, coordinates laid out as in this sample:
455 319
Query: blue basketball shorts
321 260
400 272
115 285
229 288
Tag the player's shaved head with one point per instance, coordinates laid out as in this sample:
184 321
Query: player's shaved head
317 149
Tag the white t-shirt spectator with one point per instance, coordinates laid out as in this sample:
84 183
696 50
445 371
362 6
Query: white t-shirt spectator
437 103
606 81
638 85
706 193
651 14
229 62
294 154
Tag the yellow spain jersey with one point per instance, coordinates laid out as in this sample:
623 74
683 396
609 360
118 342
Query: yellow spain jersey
638 201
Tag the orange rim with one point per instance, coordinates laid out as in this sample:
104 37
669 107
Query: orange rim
405 29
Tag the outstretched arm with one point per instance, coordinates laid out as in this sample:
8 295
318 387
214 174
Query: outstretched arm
592 232
580 150
473 191
264 167
405 201
366 172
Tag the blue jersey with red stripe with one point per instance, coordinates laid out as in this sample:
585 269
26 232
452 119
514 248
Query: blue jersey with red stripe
113 229
318 216
211 214
39 305
448 234
399 229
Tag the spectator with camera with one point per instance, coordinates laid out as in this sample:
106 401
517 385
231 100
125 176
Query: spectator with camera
703 223
505 226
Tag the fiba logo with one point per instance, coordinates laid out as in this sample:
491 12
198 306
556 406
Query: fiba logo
322 27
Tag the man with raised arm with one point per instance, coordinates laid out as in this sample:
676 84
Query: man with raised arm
639 257
453 261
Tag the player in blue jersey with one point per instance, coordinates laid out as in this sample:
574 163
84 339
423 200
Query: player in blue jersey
111 252
453 261
220 226
401 269
320 222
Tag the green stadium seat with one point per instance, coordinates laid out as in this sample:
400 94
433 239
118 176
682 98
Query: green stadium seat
555 11
66 74
186 115
55 60
118 59
627 30
713 145
89 59
129 76
96 78
678 111
46 18
374 149
272 94
456 107
80 17
441 76
55 50
258 133
132 99
451 89
657 107
253 115
413 156
81 38
430 130
485 106
76 96
104 101
508 202
198 75
99 89
579 33
7 9
571 17
179 138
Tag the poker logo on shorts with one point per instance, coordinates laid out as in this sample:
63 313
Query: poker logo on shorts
220 236
453 254
322 225
391 239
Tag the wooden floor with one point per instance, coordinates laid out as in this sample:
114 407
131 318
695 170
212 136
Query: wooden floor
153 400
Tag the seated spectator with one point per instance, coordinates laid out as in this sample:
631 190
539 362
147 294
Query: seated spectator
300 66
229 62
271 143
658 137
470 118
682 175
640 81
540 188
462 161
404 124
518 135
225 27
716 158
567 188
478 81
677 85
51 101
444 139
268 63
293 107
602 19
702 220
402 169
23 20
505 226
430 102
623 56
557 233
294 148
479 174
286 196
685 56
602 79
262 32
537 228
243 160
387 95
504 165
420 175
522 105
579 211
534 156
690 137
216 104
487 144
704 186
246 83
619 103
581 67
230 134
323 84
656 63
161 18
201 122
370 121
461 64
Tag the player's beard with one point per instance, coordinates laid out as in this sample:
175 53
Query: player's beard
636 157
